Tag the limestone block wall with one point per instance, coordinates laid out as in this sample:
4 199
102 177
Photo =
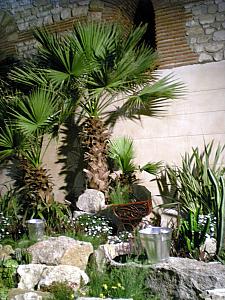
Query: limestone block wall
206 30
59 16
187 31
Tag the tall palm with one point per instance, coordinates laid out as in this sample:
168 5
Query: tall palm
95 64
25 120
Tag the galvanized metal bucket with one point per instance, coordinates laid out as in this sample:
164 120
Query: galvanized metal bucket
36 229
156 242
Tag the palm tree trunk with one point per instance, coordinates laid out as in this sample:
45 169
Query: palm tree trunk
94 140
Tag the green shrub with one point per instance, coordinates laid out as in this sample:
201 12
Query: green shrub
119 283
60 291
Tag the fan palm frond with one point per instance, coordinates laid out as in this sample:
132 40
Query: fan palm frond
121 150
37 112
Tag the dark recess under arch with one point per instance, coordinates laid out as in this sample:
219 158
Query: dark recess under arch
145 14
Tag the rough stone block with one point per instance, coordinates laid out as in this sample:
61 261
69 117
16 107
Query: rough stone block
185 279
23 26
95 16
56 17
198 48
204 57
209 30
213 47
65 13
199 10
203 39
61 251
212 9
221 7
20 294
37 275
79 11
220 17
84 2
195 30
47 20
218 56
206 19
219 35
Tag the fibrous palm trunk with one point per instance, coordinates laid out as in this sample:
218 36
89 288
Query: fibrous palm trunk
35 183
94 140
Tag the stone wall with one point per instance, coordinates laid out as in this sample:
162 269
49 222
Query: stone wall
59 16
187 31
206 29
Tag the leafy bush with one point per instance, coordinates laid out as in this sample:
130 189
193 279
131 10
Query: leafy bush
10 215
119 283
93 228
119 194
60 291
8 275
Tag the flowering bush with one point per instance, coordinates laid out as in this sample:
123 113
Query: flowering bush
94 226
123 236
4 226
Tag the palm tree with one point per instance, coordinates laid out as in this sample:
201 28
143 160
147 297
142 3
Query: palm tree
95 64
25 121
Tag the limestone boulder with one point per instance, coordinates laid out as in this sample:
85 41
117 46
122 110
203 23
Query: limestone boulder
106 253
29 275
6 251
19 294
184 279
91 201
36 276
61 250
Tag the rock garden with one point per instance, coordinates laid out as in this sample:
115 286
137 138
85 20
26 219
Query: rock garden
112 241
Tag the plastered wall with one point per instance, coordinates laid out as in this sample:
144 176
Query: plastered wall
196 118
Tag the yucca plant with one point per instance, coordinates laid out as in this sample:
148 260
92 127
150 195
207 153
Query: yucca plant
95 64
218 187
27 120
190 184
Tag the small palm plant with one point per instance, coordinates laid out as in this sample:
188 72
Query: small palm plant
121 151
25 121
95 64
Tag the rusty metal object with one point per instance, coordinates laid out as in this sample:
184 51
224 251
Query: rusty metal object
131 214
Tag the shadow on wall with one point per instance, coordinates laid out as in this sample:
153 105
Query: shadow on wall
71 159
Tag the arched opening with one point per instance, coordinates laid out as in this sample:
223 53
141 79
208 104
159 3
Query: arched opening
145 14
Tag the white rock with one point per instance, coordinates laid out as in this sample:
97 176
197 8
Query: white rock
61 250
30 275
37 275
91 201
63 273
203 57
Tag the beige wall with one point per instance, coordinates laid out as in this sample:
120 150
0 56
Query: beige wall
197 117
